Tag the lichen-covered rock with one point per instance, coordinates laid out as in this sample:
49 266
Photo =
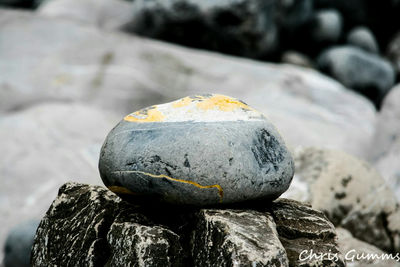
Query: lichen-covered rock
73 232
200 150
351 193
303 232
236 238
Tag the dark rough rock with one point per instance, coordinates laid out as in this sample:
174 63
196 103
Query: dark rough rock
245 28
293 14
92 226
351 193
74 230
18 245
366 73
200 150
236 238
327 26
363 38
385 153
302 228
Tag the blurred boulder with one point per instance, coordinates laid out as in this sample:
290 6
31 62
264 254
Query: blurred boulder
326 27
364 72
293 14
125 73
351 193
18 245
363 38
245 28
46 146
296 58
385 154
352 249
393 52
104 14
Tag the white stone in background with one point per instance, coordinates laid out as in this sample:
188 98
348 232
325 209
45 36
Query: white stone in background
106 14
351 193
385 153
65 61
44 147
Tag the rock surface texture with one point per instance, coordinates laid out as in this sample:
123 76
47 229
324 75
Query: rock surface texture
351 193
91 225
200 150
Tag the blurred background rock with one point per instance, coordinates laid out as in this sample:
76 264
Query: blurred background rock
324 71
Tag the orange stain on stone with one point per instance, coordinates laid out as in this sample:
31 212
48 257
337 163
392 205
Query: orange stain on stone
221 102
146 115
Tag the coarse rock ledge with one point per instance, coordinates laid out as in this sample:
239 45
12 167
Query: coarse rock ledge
91 226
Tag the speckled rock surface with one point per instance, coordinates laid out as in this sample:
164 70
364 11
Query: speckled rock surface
199 150
237 238
133 244
89 225
351 193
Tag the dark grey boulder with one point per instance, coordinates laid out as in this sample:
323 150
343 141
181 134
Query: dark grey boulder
357 69
89 225
363 38
245 28
18 245
201 150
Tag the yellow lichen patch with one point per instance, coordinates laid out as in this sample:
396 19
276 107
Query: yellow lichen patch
182 102
220 190
221 102
146 115
120 190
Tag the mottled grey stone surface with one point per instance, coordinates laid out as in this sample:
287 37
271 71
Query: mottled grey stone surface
197 156
236 238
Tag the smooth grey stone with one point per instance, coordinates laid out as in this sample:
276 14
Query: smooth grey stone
363 38
296 58
18 245
327 26
190 155
357 69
